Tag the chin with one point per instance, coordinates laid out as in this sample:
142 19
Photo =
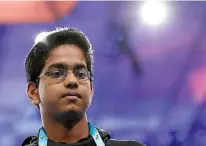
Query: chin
72 107
69 114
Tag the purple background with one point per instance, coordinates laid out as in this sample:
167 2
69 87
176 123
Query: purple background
150 82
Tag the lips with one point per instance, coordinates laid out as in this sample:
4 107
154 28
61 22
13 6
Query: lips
71 94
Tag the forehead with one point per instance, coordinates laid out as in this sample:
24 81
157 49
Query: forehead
69 55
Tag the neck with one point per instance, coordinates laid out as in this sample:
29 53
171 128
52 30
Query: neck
72 132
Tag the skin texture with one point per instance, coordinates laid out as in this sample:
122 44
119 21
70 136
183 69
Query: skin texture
63 117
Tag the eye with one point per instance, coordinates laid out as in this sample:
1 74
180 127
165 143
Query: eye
81 74
56 74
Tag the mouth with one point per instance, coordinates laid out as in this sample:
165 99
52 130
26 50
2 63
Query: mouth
71 95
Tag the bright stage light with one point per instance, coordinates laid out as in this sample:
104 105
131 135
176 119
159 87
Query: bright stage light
153 12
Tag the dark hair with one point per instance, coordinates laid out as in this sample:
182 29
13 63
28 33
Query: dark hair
39 53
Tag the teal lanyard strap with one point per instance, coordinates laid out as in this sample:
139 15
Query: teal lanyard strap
95 134
43 139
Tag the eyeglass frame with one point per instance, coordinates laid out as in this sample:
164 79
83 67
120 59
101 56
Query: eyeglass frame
89 75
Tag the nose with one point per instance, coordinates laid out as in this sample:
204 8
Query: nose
71 81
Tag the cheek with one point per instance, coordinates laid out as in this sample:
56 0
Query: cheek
41 90
48 93
87 92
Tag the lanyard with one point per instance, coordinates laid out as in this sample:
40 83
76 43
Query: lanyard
43 139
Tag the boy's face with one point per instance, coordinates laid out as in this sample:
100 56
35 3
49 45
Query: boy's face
58 96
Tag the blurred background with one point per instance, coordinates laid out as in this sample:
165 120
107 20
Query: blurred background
149 66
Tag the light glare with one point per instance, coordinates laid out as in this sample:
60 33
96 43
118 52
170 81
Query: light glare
40 37
153 12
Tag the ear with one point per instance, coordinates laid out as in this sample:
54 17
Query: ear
92 89
33 93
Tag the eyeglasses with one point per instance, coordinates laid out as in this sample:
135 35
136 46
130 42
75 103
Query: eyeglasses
59 75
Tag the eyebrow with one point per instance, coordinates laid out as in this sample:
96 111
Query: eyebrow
65 66
79 66
58 65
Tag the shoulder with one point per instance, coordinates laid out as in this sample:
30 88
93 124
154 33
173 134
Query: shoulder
114 142
30 141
